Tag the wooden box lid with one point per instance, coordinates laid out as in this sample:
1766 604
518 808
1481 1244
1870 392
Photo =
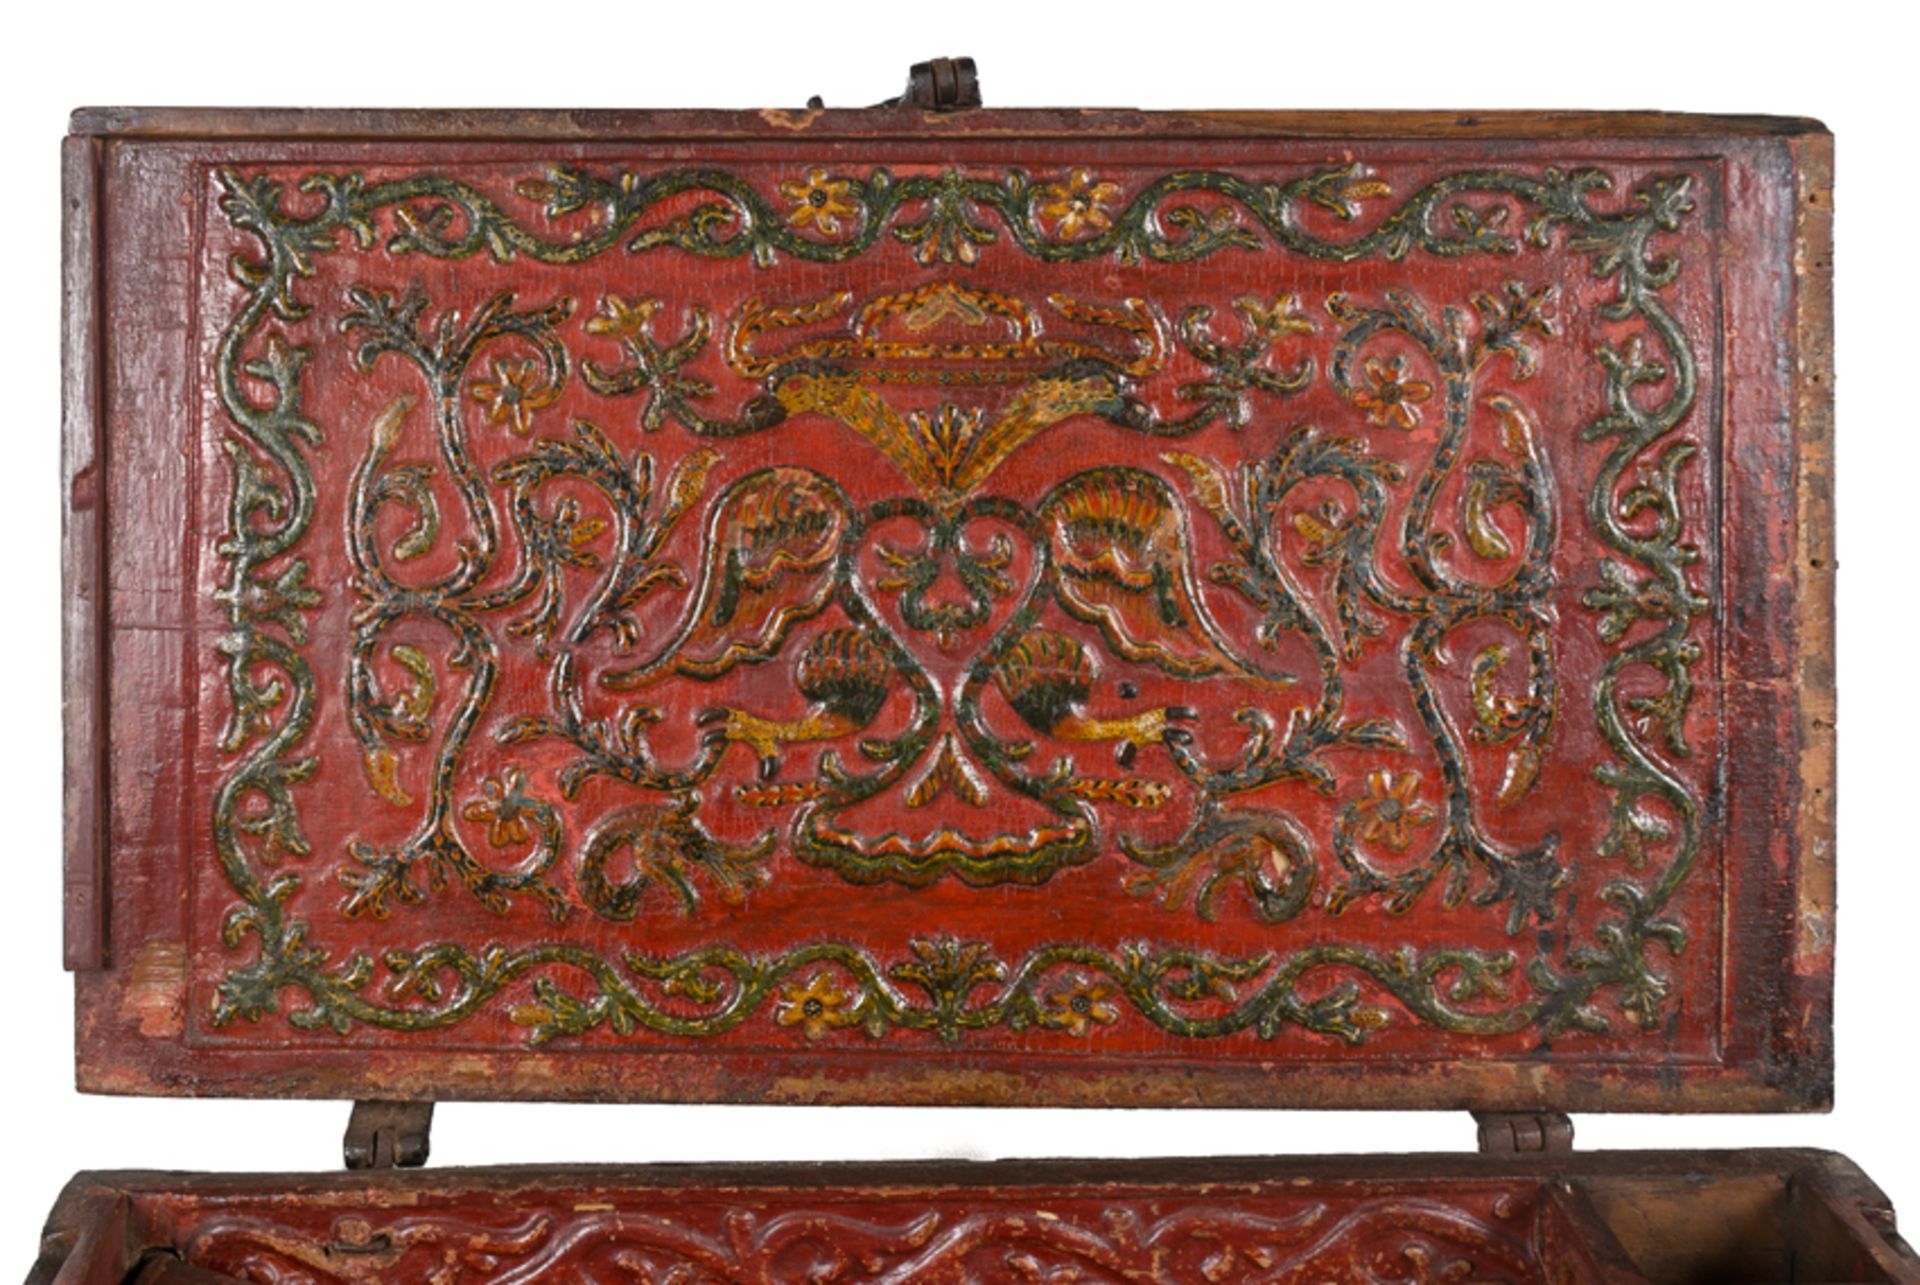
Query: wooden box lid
991 607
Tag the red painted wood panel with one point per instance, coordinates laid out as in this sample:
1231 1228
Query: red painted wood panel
822 617
1225 1230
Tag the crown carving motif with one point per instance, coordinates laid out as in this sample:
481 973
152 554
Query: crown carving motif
950 336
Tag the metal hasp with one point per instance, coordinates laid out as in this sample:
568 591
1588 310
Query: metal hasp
388 1135
1515 1133
943 85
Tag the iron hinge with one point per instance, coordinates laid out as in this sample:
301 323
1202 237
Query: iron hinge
388 1135
942 85
1523 1133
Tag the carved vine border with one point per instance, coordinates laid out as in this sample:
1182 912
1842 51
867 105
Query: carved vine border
1141 1241
1062 987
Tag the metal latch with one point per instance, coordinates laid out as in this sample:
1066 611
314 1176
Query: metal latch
1518 1133
388 1135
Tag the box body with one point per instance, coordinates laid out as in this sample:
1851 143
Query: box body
1592 1219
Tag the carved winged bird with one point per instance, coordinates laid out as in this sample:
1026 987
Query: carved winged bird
845 677
1122 556
1048 677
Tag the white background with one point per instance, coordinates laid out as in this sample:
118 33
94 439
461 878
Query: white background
1846 65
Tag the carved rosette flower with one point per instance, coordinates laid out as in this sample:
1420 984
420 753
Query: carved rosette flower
1077 207
820 202
1391 810
514 393
502 807
1393 400
1081 1002
816 1006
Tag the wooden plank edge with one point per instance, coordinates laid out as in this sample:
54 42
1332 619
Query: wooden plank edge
491 125
632 1077
83 569
1809 1036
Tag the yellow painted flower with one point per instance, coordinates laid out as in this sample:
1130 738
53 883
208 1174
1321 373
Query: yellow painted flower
820 202
514 394
1081 1002
818 1006
1077 206
1392 810
1393 400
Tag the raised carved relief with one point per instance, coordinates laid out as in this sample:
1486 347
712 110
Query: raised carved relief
905 670
1386 1238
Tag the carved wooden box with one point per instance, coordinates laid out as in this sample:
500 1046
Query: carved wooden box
959 607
